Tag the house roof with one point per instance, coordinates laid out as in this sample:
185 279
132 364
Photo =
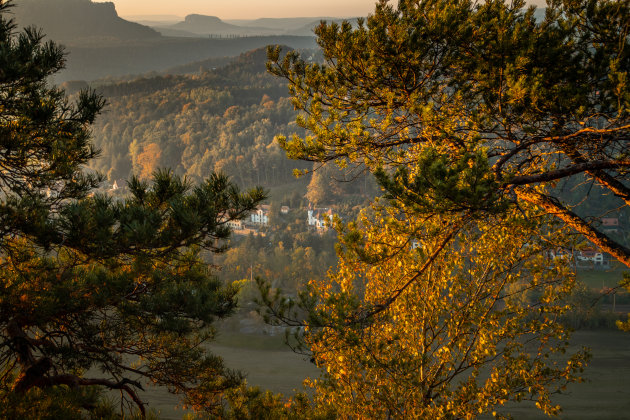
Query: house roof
610 221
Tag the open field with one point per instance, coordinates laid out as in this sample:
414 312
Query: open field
264 359
605 395
598 279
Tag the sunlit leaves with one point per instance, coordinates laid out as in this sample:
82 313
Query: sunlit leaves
476 329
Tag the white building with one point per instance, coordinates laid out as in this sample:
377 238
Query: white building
321 219
260 216
235 224
591 255
119 184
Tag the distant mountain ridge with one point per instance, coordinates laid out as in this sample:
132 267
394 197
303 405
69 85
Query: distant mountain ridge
93 62
75 22
202 25
284 24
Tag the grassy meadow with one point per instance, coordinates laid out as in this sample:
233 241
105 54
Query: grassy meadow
267 363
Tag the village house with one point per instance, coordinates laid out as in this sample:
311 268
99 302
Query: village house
610 224
594 257
260 216
321 219
235 224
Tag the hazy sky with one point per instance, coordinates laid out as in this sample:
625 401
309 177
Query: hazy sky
246 9
250 9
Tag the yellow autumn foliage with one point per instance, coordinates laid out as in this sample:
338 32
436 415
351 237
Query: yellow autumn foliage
454 326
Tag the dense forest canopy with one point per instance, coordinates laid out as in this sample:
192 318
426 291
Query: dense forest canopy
222 119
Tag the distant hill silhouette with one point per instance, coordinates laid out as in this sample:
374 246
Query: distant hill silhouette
195 67
200 25
212 25
253 61
281 25
77 22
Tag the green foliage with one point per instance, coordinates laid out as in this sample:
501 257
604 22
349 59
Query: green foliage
44 139
470 106
441 186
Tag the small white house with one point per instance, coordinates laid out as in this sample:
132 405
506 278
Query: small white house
260 216
235 224
321 219
591 255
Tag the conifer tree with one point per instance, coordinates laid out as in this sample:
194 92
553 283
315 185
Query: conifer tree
96 292
475 104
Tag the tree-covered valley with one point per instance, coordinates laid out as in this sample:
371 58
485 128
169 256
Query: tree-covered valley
225 119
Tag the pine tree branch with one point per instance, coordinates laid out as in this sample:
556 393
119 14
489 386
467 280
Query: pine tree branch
593 166
554 207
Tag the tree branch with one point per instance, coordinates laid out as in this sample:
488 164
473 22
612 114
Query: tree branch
608 181
554 207
363 315
596 166
75 381
587 130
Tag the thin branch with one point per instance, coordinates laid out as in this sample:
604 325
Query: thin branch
568 171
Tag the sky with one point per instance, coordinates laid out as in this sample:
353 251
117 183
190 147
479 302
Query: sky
246 9
250 9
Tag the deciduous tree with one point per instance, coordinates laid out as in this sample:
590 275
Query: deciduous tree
445 303
452 323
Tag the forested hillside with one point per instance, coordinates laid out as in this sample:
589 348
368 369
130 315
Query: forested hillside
223 119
